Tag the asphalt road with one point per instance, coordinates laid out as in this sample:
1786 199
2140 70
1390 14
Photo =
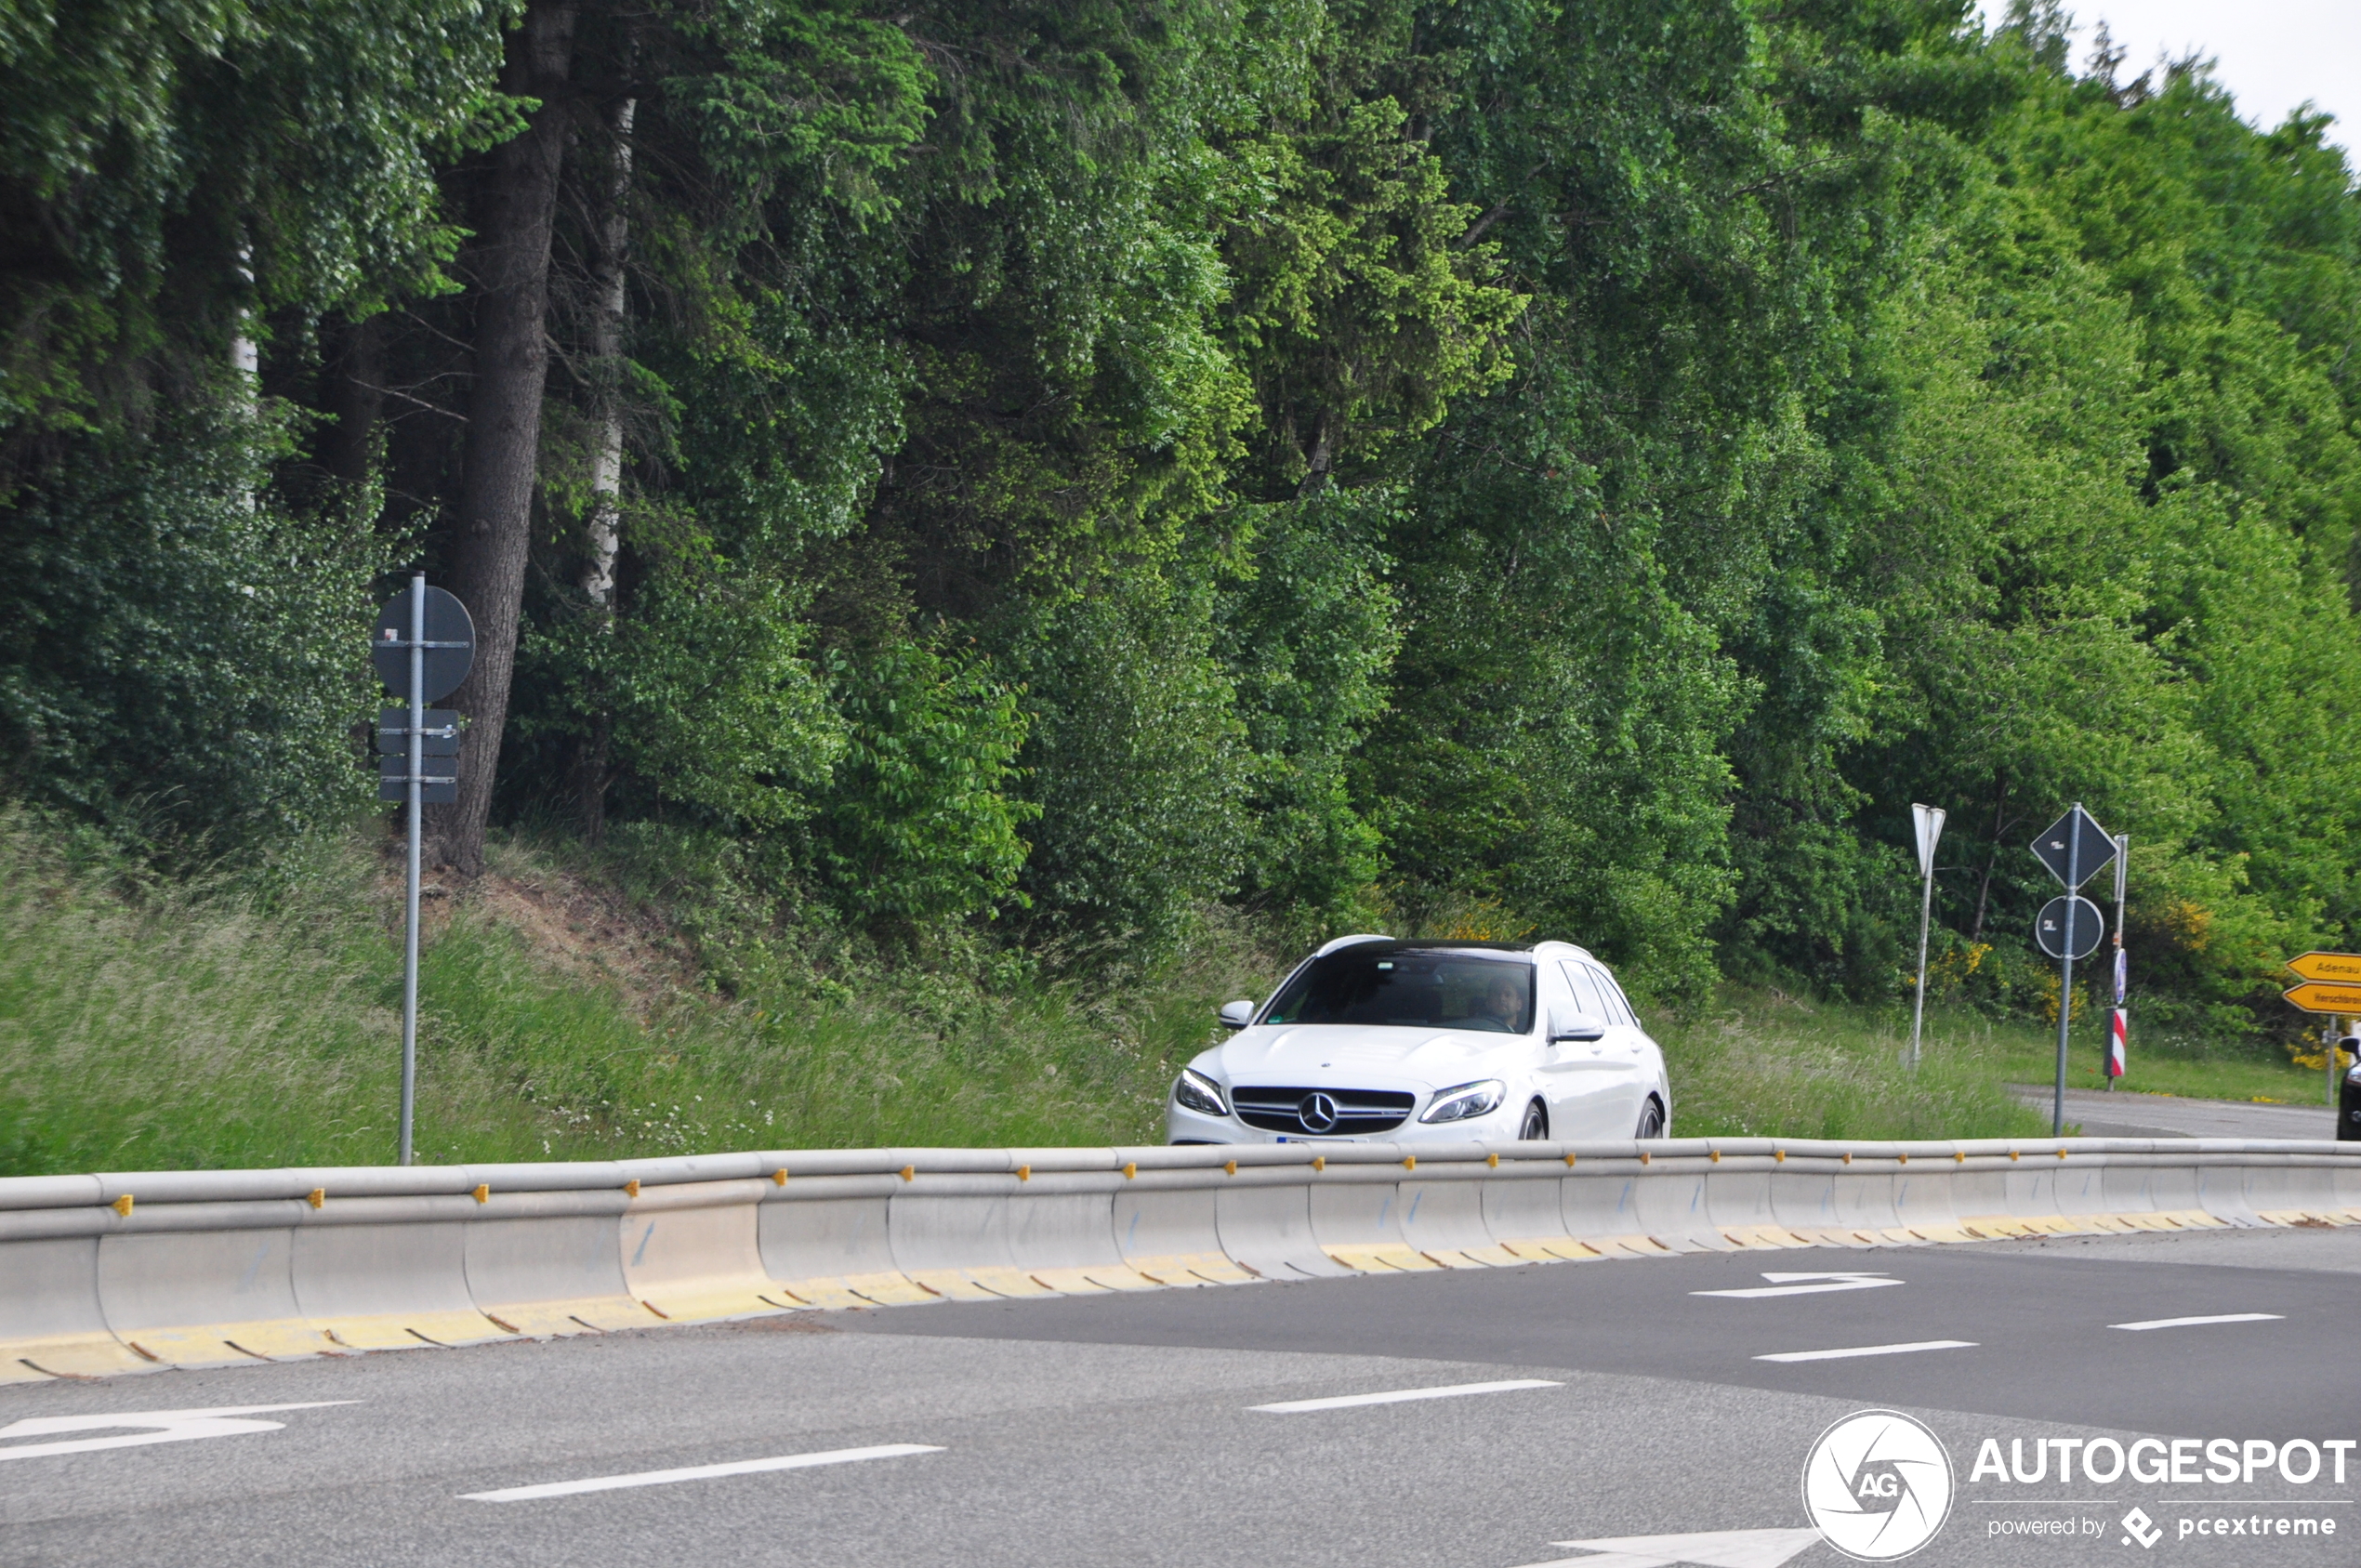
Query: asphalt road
2121 1114
1121 1430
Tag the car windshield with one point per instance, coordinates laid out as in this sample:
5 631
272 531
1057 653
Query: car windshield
1411 988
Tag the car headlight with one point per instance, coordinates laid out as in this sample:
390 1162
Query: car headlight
1198 1092
1466 1100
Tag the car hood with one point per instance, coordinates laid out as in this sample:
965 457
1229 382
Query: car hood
1333 1053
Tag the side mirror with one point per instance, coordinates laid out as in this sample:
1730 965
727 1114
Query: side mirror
1579 1027
1236 1015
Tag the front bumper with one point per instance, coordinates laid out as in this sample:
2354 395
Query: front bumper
1184 1126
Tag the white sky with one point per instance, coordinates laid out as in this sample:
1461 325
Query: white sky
2271 54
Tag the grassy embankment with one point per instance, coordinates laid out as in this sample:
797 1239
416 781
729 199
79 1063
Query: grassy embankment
162 1027
149 1026
1760 1062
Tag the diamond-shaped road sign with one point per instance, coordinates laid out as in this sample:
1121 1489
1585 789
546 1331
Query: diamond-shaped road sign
2056 845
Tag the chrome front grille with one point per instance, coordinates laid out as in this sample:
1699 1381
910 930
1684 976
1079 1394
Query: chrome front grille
1293 1110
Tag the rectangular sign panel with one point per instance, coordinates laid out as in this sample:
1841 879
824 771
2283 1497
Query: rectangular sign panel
393 780
393 725
2325 996
2327 966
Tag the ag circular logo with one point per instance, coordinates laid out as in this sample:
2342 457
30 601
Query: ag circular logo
1878 1484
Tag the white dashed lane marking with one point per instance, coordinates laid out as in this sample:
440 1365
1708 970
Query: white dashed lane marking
1400 1396
697 1473
1872 1351
2191 1322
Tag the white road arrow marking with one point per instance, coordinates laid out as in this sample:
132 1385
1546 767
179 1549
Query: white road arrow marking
1805 1284
165 1425
1712 1549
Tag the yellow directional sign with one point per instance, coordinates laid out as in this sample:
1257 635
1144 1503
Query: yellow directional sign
2345 967
2325 996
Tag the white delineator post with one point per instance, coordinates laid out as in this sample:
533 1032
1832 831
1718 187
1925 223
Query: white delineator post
1928 821
416 749
2122 874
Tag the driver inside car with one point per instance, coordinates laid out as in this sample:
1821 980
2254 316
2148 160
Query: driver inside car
1503 1001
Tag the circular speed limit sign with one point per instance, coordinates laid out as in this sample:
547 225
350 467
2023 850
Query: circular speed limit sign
2069 926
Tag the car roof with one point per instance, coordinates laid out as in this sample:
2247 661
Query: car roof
1399 944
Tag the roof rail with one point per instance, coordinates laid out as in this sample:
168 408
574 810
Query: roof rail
1327 948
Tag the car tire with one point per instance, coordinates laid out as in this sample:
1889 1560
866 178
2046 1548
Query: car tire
1651 1120
1536 1129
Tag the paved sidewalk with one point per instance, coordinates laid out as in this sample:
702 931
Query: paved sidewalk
2123 1115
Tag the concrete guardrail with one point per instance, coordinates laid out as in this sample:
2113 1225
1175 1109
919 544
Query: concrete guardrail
108 1273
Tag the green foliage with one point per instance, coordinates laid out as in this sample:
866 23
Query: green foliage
713 703
1364 299
919 824
1089 467
1133 762
789 89
1308 641
176 651
166 166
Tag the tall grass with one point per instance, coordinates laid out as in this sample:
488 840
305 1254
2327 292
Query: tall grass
206 1025
214 1023
1760 1064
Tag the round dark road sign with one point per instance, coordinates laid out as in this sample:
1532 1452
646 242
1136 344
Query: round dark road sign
2069 925
451 645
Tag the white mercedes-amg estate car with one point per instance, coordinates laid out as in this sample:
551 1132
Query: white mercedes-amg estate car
1375 1039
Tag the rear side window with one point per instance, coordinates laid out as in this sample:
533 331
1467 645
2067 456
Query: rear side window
1618 1010
1410 989
1586 991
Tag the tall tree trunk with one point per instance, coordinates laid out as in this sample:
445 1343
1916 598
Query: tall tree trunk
245 353
1992 860
1322 458
510 268
605 528
355 395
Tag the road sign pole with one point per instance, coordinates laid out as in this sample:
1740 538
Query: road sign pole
2329 1049
410 884
417 669
1927 821
2065 979
1919 997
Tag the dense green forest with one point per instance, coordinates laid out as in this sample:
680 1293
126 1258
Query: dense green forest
1021 478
